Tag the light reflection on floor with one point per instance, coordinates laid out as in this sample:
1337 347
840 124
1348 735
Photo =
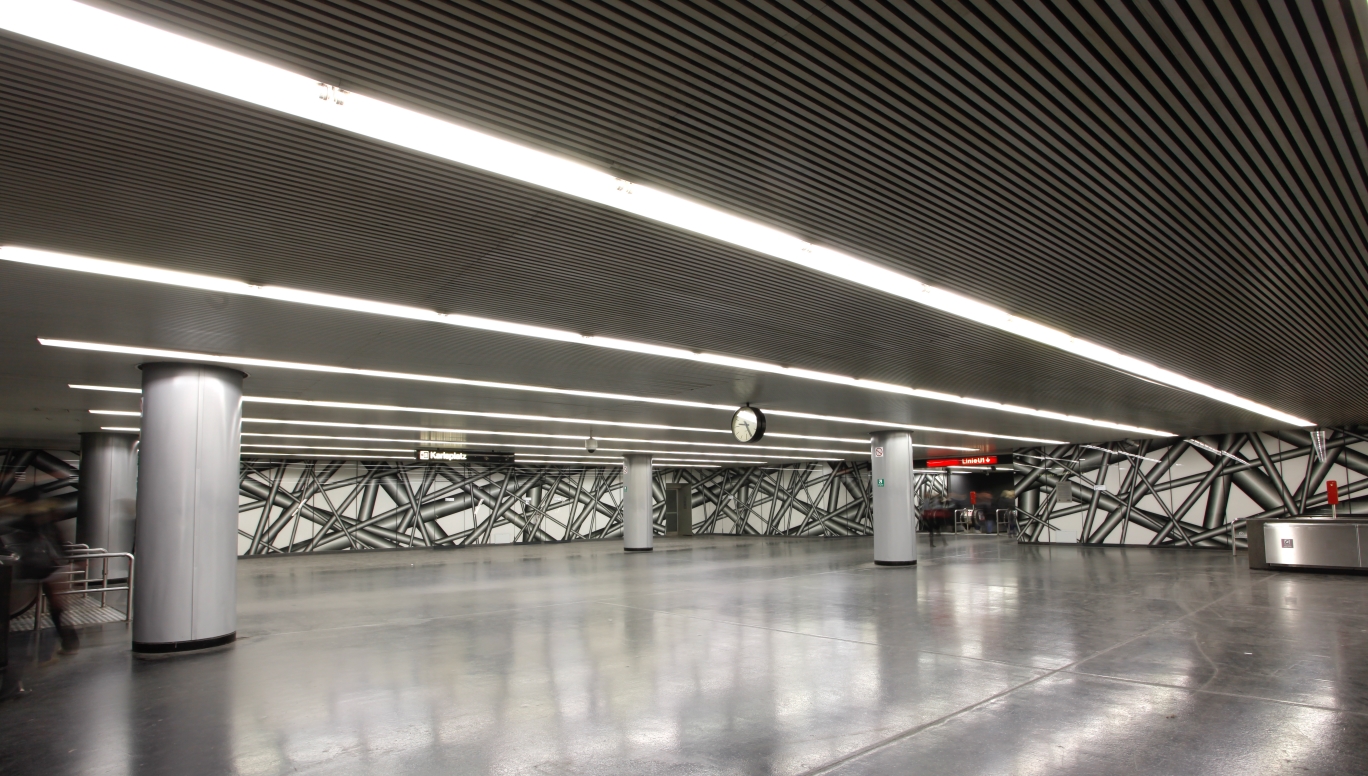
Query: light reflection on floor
731 655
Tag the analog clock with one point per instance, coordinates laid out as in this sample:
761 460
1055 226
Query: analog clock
748 424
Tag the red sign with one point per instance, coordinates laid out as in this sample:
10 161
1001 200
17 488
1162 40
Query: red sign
982 460
1332 491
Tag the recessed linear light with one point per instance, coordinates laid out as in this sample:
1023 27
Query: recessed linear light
266 454
410 451
118 269
468 443
383 374
443 430
242 361
657 458
709 460
598 463
517 462
132 44
615 463
110 388
573 460
316 447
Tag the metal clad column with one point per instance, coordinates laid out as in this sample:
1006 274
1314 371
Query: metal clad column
185 593
637 531
107 497
895 513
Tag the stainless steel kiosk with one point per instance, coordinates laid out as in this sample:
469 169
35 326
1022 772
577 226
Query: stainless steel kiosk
1309 542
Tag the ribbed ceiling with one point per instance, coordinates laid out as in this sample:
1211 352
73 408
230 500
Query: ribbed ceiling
1184 183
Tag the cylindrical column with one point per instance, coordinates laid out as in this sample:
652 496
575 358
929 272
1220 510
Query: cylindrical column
185 593
895 508
106 497
638 532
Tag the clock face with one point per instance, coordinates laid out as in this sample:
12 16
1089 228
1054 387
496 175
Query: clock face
748 424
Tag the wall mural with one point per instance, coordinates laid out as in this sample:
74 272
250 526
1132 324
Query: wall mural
307 506
1187 492
1179 492
39 473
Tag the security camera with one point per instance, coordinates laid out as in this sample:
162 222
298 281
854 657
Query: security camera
591 444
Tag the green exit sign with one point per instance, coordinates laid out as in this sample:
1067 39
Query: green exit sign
881 482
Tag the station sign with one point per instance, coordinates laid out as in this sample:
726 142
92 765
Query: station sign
977 460
464 456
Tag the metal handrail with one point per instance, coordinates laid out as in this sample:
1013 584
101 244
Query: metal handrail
1007 517
104 589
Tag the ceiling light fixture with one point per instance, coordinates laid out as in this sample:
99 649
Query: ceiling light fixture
468 443
268 454
387 427
710 455
600 462
316 447
425 442
110 388
203 282
656 458
117 39
260 362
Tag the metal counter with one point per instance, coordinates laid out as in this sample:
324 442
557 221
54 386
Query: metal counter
1310 542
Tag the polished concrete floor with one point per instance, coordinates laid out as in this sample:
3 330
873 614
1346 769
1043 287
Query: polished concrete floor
731 655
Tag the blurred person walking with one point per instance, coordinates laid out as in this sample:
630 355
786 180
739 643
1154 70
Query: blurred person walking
28 534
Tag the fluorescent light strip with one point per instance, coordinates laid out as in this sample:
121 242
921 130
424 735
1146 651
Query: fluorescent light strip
132 44
99 266
707 460
241 361
110 388
516 462
847 440
914 427
468 443
1121 452
653 458
134 430
591 461
573 458
772 434
710 455
342 370
313 447
619 463
265 454
127 413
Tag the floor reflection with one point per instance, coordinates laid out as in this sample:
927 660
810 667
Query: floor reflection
715 655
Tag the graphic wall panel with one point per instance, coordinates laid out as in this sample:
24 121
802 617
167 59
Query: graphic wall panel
1187 492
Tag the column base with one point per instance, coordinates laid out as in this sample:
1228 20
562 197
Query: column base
183 646
638 549
895 563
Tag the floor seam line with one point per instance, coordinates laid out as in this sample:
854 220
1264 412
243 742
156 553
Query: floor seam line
1242 696
909 733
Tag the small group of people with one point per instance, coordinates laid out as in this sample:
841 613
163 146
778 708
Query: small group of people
937 515
31 549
